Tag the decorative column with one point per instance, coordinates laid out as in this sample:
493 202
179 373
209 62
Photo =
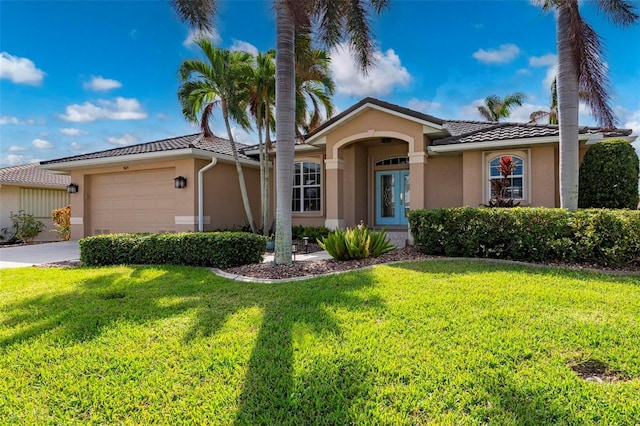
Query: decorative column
417 172
334 169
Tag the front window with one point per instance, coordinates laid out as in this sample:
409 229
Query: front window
306 187
515 190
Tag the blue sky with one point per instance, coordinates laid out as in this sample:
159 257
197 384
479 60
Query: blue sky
83 76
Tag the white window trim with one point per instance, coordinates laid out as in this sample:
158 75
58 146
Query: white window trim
489 156
320 185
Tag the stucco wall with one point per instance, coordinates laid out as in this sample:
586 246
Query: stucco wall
10 202
444 179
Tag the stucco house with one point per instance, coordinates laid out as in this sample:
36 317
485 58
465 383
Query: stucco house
374 162
36 192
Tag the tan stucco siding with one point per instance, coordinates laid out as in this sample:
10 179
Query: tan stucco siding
472 177
375 124
222 197
443 182
543 177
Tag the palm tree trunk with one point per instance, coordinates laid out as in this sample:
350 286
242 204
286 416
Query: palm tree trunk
243 185
262 173
567 85
285 129
266 214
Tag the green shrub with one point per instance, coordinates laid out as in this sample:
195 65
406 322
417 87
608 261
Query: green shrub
315 233
609 176
356 243
212 249
24 228
602 237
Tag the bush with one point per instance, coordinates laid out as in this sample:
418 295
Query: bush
315 233
356 243
212 249
24 227
602 237
62 220
609 176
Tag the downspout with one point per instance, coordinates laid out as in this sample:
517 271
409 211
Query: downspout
213 162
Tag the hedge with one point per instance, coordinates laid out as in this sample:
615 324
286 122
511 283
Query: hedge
595 236
212 249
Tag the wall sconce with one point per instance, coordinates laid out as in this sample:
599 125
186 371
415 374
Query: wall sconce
72 188
180 182
294 250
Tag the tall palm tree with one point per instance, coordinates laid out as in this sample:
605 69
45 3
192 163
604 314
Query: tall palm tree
581 68
552 114
261 102
495 108
223 80
313 84
335 18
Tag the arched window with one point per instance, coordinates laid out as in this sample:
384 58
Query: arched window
516 187
393 161
306 187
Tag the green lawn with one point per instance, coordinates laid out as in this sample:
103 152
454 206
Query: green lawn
417 343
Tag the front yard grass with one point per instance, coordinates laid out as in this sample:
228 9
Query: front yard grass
416 343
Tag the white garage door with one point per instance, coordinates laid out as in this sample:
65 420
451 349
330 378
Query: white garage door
133 202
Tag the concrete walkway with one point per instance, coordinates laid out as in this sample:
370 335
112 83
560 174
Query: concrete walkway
38 254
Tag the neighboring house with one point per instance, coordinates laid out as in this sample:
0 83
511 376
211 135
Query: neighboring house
36 192
374 162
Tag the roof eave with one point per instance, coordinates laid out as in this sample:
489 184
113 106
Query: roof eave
504 143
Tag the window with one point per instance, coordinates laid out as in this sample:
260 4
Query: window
393 161
306 187
515 190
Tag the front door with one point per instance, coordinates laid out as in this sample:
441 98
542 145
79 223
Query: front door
392 197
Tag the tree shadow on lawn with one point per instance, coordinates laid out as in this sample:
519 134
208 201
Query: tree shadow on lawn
323 390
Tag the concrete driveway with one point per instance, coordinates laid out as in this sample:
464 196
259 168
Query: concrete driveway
38 254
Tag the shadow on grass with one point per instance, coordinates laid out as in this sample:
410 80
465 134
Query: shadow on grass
147 294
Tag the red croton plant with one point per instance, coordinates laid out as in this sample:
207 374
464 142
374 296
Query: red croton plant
500 186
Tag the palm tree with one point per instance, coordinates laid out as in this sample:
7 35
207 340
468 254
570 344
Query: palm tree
335 18
552 114
313 83
581 68
223 80
495 108
261 102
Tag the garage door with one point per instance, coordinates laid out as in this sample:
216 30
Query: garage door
133 202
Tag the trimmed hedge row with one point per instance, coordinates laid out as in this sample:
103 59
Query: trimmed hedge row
213 249
603 237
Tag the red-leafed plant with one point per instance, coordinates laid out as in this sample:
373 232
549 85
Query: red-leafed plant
500 186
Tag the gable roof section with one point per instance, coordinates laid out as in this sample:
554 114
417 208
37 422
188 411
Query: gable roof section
378 104
32 174
196 141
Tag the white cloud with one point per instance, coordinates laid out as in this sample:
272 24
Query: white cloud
520 114
123 140
42 144
16 148
195 35
19 70
629 120
470 111
100 84
244 46
386 73
422 105
72 131
120 109
543 61
504 54
13 160
552 72
162 116
9 120
77 147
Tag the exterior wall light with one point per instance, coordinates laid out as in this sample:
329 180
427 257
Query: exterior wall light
72 188
180 182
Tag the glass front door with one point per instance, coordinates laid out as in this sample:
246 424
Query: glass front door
392 197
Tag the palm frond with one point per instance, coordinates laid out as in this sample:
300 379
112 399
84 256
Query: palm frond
198 13
618 11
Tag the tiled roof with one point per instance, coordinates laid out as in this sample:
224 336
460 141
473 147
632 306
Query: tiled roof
215 144
488 132
462 127
32 174
378 102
